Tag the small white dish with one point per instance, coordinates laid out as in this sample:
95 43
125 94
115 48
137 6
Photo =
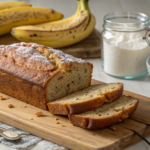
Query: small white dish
148 64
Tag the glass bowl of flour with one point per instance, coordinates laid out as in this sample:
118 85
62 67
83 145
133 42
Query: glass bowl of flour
123 51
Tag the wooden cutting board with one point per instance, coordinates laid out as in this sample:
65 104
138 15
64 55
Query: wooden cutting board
74 137
87 48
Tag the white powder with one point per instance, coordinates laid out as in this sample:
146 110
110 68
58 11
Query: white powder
33 59
64 58
125 54
27 56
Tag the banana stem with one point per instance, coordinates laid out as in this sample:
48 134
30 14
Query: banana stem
84 5
79 6
87 6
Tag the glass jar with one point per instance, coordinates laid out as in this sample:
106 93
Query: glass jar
123 51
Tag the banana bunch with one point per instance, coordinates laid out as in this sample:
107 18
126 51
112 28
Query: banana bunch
24 15
59 33
12 4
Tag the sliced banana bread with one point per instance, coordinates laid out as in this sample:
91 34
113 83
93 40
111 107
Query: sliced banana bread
87 99
106 115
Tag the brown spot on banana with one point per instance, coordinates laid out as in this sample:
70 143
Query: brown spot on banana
85 19
34 35
88 22
52 11
9 17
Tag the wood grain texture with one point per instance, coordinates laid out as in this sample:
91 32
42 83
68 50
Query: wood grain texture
70 136
143 111
87 48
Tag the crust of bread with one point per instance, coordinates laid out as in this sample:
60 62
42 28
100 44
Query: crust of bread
23 90
99 123
23 80
65 109
129 111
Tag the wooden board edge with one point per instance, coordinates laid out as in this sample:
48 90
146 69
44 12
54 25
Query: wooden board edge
32 128
138 96
144 130
122 143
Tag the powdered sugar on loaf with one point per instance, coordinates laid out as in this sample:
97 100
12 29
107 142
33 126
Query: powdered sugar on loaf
64 58
27 56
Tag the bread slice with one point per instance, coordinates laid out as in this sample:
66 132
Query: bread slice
87 99
106 115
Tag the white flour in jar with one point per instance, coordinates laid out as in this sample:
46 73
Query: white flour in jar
125 54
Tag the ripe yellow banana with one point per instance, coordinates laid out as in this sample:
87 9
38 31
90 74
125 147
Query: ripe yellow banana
18 16
59 33
12 4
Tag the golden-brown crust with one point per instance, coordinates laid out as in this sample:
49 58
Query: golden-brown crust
22 82
37 77
24 76
98 123
58 56
90 123
91 72
65 109
59 108
22 90
30 68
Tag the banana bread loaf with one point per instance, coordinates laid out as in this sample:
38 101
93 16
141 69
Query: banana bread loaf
38 74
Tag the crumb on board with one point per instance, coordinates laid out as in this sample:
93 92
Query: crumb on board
24 106
56 119
62 125
2 98
113 128
93 133
31 118
39 114
57 122
10 106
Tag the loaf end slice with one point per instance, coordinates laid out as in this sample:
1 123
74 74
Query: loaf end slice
106 115
87 99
